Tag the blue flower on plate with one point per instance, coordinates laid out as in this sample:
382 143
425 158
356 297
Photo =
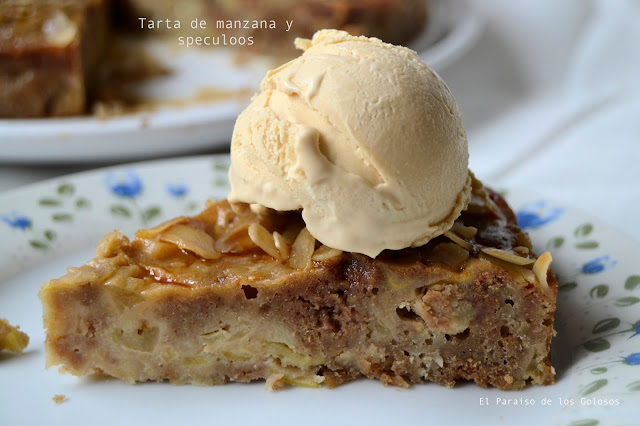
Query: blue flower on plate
632 359
16 220
598 264
127 184
177 190
535 215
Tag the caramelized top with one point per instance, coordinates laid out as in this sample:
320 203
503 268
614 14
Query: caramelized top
236 240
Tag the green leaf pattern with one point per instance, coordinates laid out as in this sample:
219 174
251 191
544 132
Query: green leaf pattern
594 387
555 243
606 324
597 345
632 283
587 245
599 291
627 301
585 422
583 230
567 286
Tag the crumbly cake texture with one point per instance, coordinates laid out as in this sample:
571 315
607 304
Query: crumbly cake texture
11 338
49 58
234 294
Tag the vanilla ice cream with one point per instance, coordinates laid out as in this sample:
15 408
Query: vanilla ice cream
362 137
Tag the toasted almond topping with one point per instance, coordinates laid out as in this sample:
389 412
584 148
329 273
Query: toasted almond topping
466 232
224 218
110 244
302 250
191 239
527 274
456 239
521 250
240 208
324 252
283 248
259 209
540 269
263 239
159 229
506 256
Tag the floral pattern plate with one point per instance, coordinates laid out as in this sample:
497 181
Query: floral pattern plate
48 226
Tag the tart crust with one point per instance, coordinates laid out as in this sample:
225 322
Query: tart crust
197 300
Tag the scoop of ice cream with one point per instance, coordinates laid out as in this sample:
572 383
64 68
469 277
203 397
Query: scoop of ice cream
361 136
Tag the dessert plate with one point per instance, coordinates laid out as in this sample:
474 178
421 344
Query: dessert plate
49 226
207 90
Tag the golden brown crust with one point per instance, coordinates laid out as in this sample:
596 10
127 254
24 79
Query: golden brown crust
149 310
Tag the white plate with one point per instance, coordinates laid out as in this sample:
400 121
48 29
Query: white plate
453 28
46 227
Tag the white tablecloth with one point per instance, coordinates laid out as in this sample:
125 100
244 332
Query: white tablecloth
550 97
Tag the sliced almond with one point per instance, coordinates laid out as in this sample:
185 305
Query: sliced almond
263 239
540 269
283 248
506 256
224 218
527 274
324 253
302 250
456 239
259 209
159 229
191 239
240 208
466 232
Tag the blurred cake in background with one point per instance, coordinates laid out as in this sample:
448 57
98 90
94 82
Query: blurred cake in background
393 21
50 53
63 58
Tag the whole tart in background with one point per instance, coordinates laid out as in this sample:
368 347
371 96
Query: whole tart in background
50 54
